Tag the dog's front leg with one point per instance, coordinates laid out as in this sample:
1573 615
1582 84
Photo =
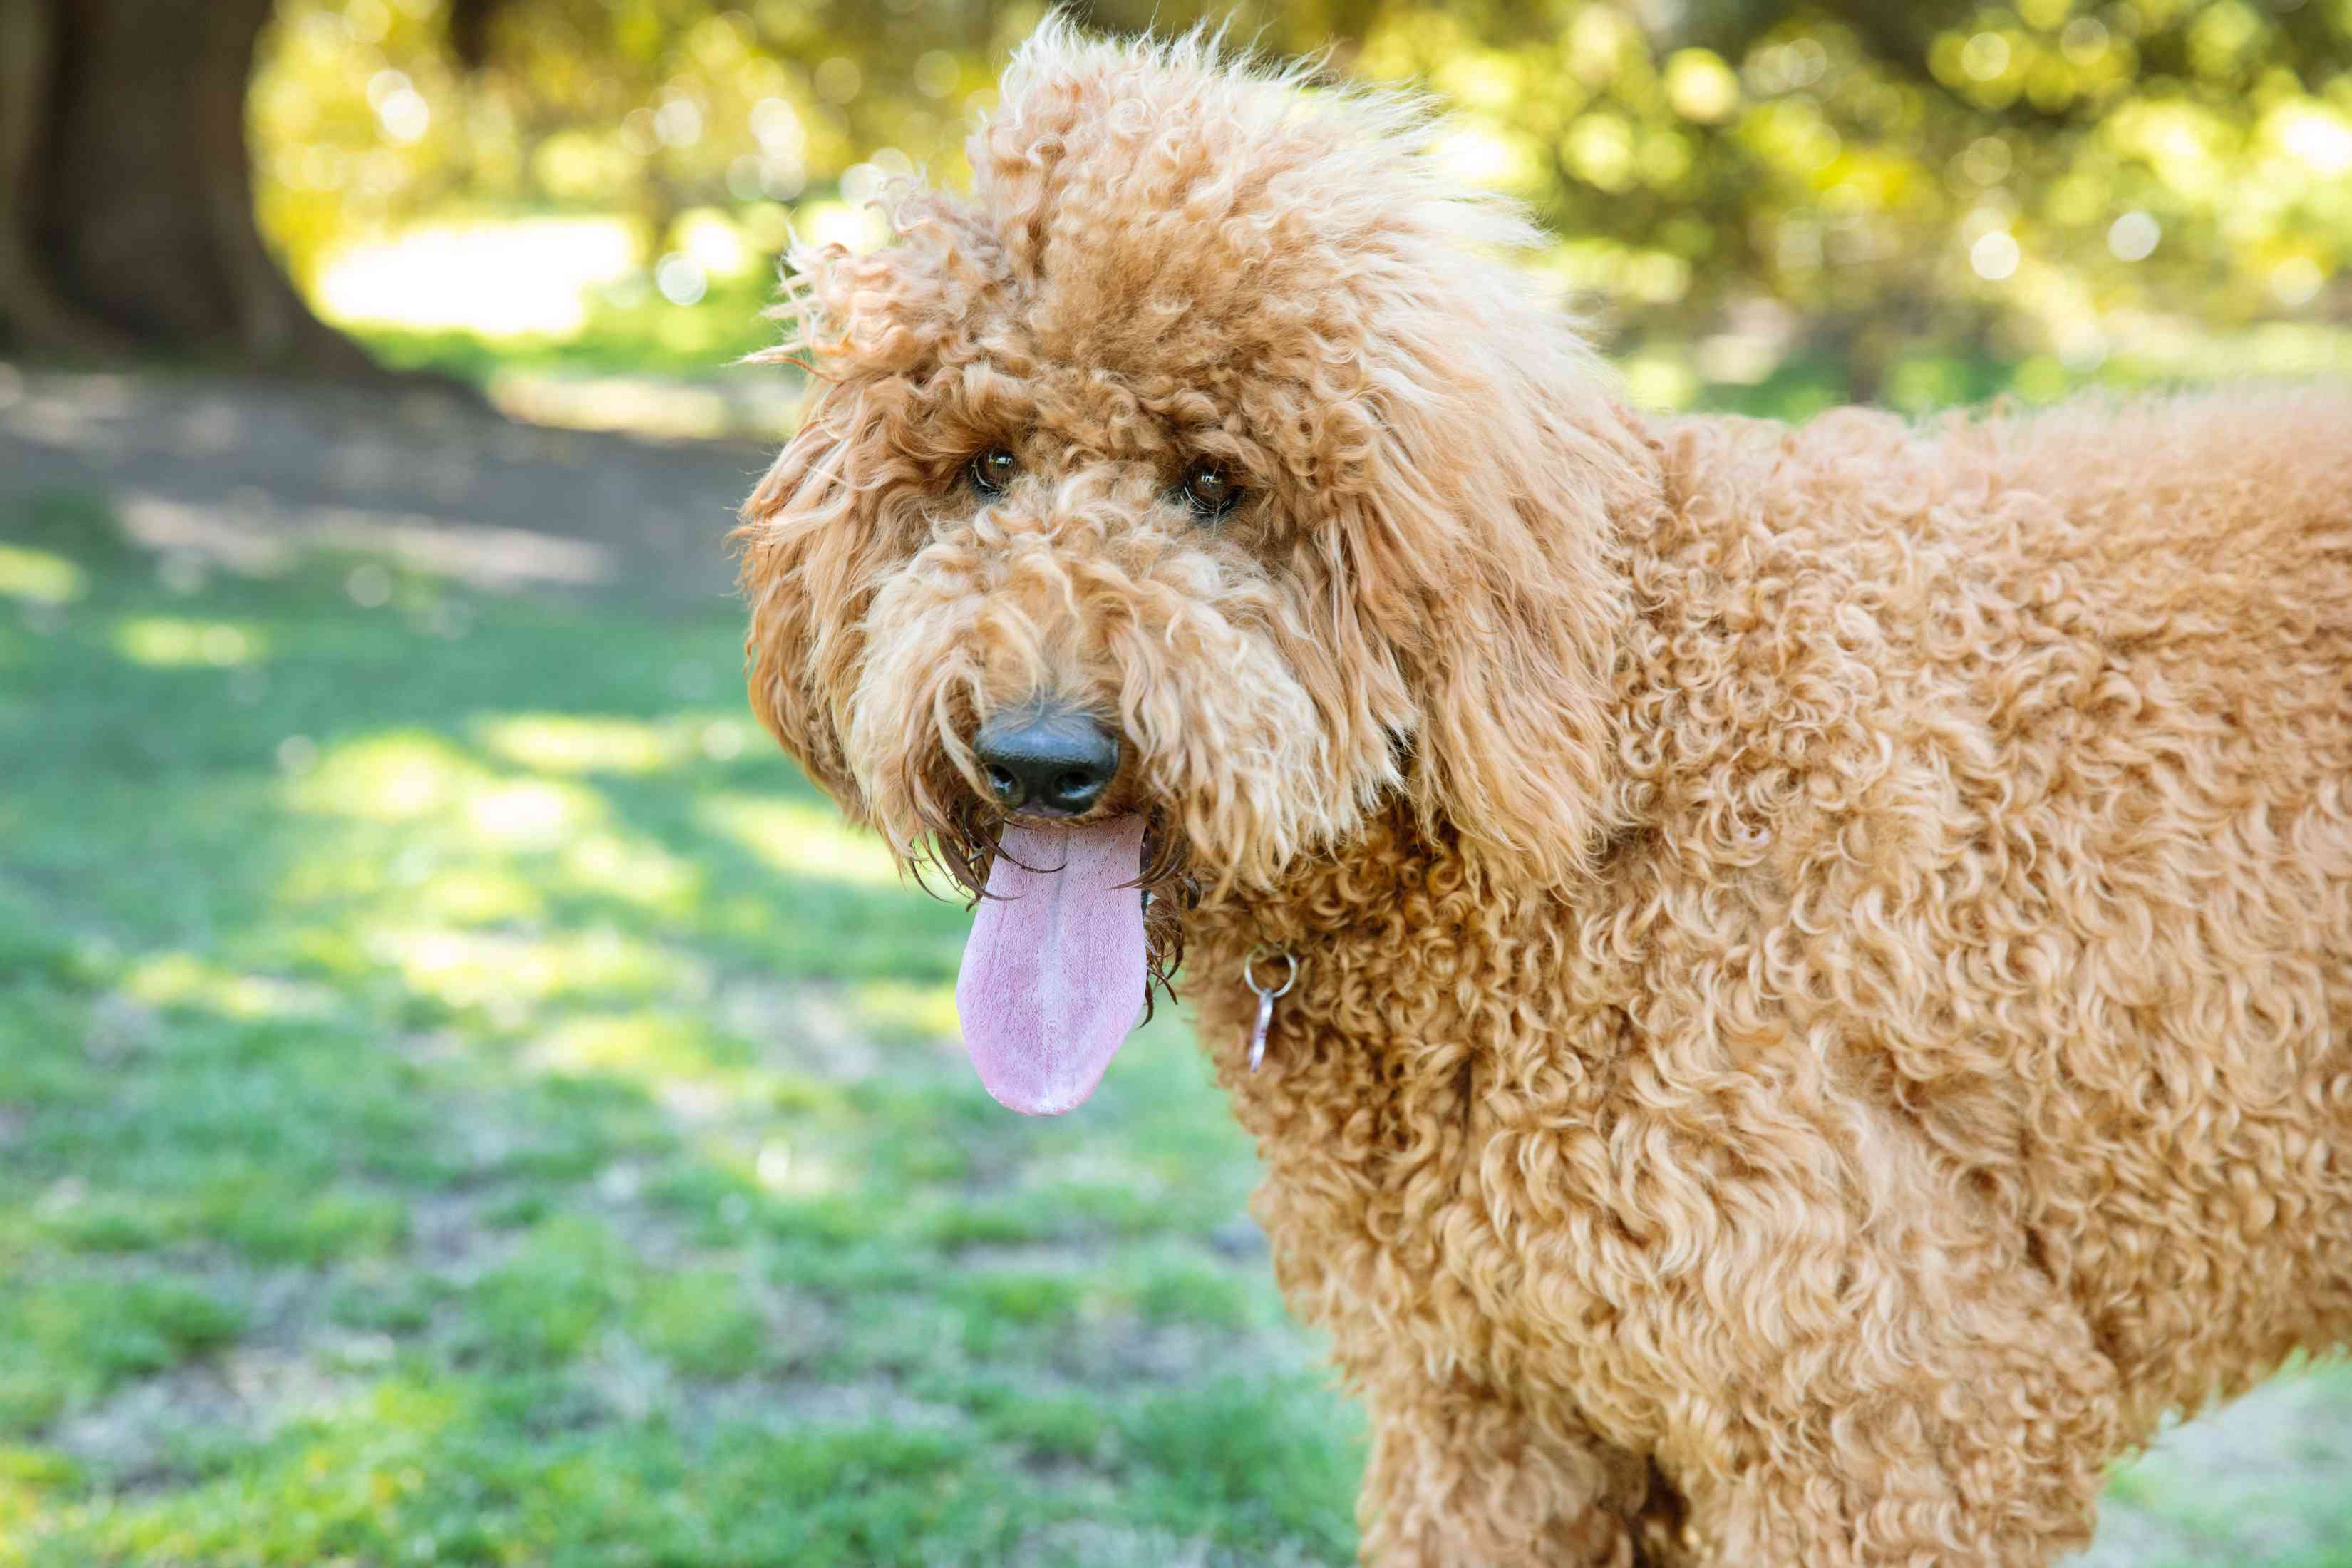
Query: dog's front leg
1988 1453
1463 1477
1877 1387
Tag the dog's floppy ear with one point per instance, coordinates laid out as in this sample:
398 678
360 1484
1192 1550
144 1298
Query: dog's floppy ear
804 563
1488 542
823 525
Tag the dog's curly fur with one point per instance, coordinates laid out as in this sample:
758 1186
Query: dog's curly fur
1826 953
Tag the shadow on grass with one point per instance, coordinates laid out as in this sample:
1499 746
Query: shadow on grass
466 1099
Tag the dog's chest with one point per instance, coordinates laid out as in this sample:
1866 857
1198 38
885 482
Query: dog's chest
1434 1097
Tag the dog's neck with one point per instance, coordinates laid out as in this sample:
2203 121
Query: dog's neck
1391 928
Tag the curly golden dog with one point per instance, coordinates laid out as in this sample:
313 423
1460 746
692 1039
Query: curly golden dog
1819 959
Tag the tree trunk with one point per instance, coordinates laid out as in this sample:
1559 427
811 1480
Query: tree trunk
126 204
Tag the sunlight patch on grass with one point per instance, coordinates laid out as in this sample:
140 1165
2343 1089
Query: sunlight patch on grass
469 968
168 642
476 895
38 577
636 870
528 813
593 743
570 744
789 1169
452 889
788 1166
512 875
805 841
183 980
898 1007
29 1479
407 778
387 778
700 1075
637 1046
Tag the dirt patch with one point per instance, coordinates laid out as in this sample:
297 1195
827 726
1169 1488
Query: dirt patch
153 1432
248 474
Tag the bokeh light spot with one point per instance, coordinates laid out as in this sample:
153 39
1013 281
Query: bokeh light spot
1994 255
2134 236
838 80
519 277
681 278
1985 56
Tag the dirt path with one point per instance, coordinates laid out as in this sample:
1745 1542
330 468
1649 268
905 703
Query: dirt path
219 467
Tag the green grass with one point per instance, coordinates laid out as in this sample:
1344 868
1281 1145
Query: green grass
463 1098
2263 1481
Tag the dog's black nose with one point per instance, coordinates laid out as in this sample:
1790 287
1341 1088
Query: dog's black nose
1049 760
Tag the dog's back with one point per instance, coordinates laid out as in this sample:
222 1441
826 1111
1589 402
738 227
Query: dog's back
2201 840
2094 905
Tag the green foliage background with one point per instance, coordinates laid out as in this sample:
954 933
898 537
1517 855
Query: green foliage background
1740 190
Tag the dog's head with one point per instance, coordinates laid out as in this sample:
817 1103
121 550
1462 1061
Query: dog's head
1207 473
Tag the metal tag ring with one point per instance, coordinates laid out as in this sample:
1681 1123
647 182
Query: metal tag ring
1249 970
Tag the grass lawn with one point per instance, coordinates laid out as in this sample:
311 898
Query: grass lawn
464 1101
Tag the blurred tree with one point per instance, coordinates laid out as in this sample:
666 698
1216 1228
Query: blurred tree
129 206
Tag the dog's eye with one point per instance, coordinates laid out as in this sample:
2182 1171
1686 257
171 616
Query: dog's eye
1209 489
991 471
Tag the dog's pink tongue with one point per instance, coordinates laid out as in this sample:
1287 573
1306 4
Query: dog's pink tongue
1052 976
